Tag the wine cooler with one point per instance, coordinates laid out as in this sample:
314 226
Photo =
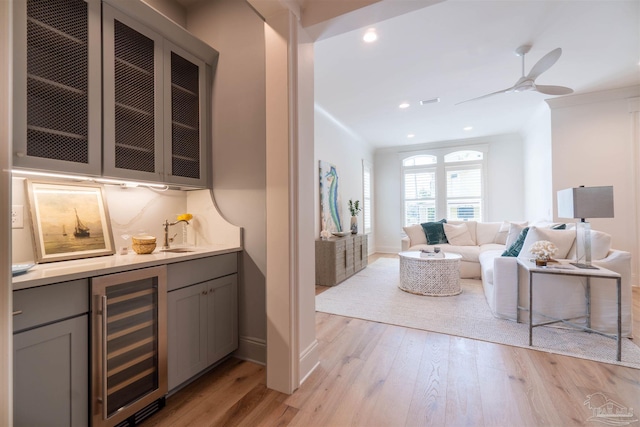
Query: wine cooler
129 346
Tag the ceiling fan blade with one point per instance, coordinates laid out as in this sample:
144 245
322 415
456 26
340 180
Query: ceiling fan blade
487 95
554 90
545 63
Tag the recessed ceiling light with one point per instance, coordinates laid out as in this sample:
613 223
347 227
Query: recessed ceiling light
404 105
467 128
370 36
410 135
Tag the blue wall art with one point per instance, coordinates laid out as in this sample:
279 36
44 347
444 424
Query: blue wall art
330 204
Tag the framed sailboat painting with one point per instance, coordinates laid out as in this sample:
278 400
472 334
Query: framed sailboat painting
69 221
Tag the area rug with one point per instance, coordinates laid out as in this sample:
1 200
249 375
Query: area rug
373 294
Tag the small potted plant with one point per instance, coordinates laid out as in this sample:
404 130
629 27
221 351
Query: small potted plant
354 209
543 250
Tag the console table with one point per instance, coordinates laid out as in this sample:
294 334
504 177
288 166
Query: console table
339 258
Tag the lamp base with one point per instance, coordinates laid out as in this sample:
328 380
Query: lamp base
587 266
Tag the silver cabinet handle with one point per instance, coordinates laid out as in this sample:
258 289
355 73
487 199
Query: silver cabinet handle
103 299
17 312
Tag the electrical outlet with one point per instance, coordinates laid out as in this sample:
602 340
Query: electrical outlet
17 216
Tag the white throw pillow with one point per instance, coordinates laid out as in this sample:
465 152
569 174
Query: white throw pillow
563 239
416 234
600 245
458 234
501 235
515 228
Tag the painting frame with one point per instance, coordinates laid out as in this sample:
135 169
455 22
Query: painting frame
69 221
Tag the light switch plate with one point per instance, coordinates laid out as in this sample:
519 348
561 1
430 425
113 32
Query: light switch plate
17 216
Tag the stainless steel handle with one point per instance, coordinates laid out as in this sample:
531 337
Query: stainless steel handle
17 312
103 299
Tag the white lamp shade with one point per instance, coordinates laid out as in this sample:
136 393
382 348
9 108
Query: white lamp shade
586 202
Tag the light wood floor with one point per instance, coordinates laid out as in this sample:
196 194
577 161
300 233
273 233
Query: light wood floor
373 374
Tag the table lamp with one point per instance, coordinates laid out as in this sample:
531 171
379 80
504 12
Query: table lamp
585 202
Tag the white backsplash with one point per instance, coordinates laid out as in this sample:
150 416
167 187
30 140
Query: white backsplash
142 210
138 210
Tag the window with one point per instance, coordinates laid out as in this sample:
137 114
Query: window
366 196
445 184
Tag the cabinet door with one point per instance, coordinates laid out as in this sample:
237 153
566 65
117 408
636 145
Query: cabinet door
51 375
187 334
57 86
184 117
222 317
133 98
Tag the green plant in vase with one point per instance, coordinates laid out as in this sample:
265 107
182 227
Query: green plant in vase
354 209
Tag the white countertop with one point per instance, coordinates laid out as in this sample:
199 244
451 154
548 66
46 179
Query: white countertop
62 271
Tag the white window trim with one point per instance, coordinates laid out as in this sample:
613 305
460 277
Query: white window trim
367 166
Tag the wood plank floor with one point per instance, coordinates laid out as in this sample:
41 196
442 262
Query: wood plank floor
373 374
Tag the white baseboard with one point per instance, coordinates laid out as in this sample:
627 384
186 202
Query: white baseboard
252 350
309 361
388 250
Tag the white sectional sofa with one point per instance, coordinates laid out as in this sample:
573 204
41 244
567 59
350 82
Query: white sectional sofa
556 295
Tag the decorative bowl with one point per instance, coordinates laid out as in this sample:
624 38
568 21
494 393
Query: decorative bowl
143 244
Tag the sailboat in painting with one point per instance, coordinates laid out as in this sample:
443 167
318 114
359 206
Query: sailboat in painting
81 230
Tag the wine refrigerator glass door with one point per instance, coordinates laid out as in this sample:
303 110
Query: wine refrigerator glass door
129 354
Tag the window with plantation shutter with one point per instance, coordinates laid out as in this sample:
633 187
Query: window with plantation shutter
464 193
443 184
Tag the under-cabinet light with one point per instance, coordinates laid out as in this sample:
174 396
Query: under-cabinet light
127 184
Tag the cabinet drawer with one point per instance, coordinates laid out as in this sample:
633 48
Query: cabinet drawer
46 304
181 274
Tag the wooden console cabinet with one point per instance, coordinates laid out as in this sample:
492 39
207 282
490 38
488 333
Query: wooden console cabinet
339 258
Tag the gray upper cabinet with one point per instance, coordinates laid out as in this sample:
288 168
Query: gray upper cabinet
155 105
57 86
111 89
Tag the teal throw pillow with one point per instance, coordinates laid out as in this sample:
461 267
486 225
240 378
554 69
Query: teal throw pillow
559 227
516 247
435 232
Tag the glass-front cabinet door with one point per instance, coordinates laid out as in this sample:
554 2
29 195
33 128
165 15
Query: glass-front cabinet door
133 98
57 86
184 121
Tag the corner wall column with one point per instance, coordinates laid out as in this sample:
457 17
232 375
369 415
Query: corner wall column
6 316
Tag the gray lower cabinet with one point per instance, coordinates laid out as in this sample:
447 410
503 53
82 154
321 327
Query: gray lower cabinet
202 317
203 327
51 360
339 258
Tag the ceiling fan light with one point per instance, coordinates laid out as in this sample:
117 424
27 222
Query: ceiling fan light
525 86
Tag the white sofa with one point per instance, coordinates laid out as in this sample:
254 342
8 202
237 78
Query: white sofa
555 295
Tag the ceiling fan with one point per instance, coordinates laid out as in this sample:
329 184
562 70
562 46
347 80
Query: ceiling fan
527 83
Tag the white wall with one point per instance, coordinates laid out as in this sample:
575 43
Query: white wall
504 186
238 159
593 144
536 141
337 145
